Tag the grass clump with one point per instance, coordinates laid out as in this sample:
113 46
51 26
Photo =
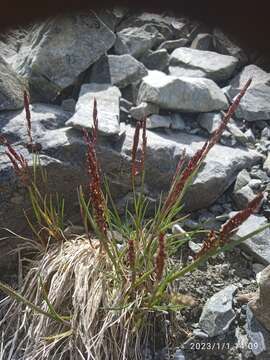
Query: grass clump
105 294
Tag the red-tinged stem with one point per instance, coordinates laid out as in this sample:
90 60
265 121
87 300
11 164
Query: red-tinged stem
28 116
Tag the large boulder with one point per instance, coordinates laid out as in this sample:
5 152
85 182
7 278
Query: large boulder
215 66
168 26
119 70
56 51
11 88
255 105
43 118
184 94
136 40
224 45
108 99
11 41
258 76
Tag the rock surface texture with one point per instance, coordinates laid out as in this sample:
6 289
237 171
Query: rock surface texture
218 314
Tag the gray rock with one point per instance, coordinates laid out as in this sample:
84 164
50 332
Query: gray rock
217 174
237 133
266 164
259 245
177 229
69 105
11 88
259 338
179 355
218 314
202 42
170 45
168 26
260 305
136 40
11 41
265 134
216 66
255 105
210 121
257 268
124 103
71 43
255 184
195 248
258 76
119 70
130 92
225 46
250 136
259 174
243 196
185 94
143 110
112 17
156 60
173 121
43 118
107 97
180 71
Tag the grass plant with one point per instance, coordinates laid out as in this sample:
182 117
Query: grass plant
105 294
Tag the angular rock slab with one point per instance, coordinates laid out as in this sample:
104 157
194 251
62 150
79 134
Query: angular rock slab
259 245
136 40
224 45
219 171
254 72
43 118
259 338
218 314
108 98
184 94
56 51
11 88
255 105
215 66
180 71
119 70
168 26
210 121
156 60
173 121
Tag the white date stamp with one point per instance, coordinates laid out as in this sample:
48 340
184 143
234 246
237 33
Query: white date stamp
218 346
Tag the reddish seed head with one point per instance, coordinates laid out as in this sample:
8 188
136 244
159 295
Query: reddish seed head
96 194
95 122
228 229
161 257
28 116
18 161
196 161
210 243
